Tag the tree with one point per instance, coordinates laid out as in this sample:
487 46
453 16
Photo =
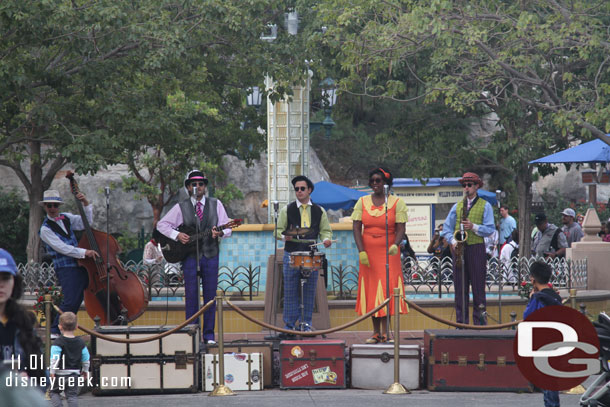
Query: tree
541 67
69 69
13 224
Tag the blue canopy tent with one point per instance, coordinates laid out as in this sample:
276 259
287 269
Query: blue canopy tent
333 196
595 151
592 152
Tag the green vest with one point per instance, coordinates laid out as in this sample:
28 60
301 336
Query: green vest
475 215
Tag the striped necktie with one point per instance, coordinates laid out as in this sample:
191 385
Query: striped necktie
305 216
199 210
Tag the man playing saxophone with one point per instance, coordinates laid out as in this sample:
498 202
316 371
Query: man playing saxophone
474 216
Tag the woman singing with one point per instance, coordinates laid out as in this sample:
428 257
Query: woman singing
369 218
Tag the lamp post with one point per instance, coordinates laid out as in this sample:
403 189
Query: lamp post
254 97
329 98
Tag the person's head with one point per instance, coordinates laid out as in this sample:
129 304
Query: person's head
440 227
67 322
51 201
567 216
515 235
11 282
504 211
541 222
540 272
471 183
303 187
378 177
197 180
580 218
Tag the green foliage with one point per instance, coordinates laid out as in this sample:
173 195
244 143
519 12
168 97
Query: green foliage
14 213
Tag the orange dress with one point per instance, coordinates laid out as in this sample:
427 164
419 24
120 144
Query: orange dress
372 279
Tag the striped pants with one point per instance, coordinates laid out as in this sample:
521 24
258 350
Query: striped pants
292 295
475 266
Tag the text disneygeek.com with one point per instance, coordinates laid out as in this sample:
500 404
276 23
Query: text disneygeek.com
17 380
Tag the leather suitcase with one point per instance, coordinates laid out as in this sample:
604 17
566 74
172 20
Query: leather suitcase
166 365
472 360
265 348
243 371
372 366
312 364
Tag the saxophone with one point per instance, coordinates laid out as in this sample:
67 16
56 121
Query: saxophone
461 236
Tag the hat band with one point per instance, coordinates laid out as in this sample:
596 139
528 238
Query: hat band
197 177
51 198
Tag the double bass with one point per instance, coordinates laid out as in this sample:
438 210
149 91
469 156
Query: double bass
108 280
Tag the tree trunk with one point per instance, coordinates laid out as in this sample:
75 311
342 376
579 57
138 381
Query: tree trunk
524 199
35 190
35 220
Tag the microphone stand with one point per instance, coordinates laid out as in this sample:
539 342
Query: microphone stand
276 206
197 267
107 193
386 192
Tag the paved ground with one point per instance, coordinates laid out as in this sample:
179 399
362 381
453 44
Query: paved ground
331 398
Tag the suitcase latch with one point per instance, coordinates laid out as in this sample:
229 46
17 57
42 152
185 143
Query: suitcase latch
180 359
462 361
501 361
385 357
445 358
312 356
481 364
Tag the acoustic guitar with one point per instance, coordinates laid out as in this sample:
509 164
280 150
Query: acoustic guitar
175 251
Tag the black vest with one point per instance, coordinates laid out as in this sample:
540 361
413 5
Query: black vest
294 219
209 245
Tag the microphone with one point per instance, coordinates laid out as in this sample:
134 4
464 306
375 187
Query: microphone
386 192
194 191
276 206
107 193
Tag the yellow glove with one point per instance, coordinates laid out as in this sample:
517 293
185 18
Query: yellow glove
393 250
364 258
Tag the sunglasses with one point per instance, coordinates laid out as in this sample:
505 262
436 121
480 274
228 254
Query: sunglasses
52 205
376 181
198 184
297 189
467 185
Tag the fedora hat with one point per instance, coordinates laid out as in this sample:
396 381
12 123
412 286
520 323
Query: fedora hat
51 196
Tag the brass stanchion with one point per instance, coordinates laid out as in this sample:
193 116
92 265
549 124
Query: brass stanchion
578 389
221 389
48 306
573 292
396 387
47 331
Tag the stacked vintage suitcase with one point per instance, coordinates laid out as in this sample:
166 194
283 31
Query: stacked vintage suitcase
372 366
312 364
256 367
166 365
472 360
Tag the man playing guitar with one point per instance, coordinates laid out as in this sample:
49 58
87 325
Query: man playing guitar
208 213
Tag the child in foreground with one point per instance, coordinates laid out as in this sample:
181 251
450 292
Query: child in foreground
69 359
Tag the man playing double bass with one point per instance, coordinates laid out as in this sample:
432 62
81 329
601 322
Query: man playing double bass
57 234
476 217
209 213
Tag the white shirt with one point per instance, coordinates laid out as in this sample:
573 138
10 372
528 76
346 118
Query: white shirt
76 223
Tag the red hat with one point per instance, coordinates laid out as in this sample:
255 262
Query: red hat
471 177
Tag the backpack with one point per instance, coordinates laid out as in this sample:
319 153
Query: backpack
514 254
554 243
